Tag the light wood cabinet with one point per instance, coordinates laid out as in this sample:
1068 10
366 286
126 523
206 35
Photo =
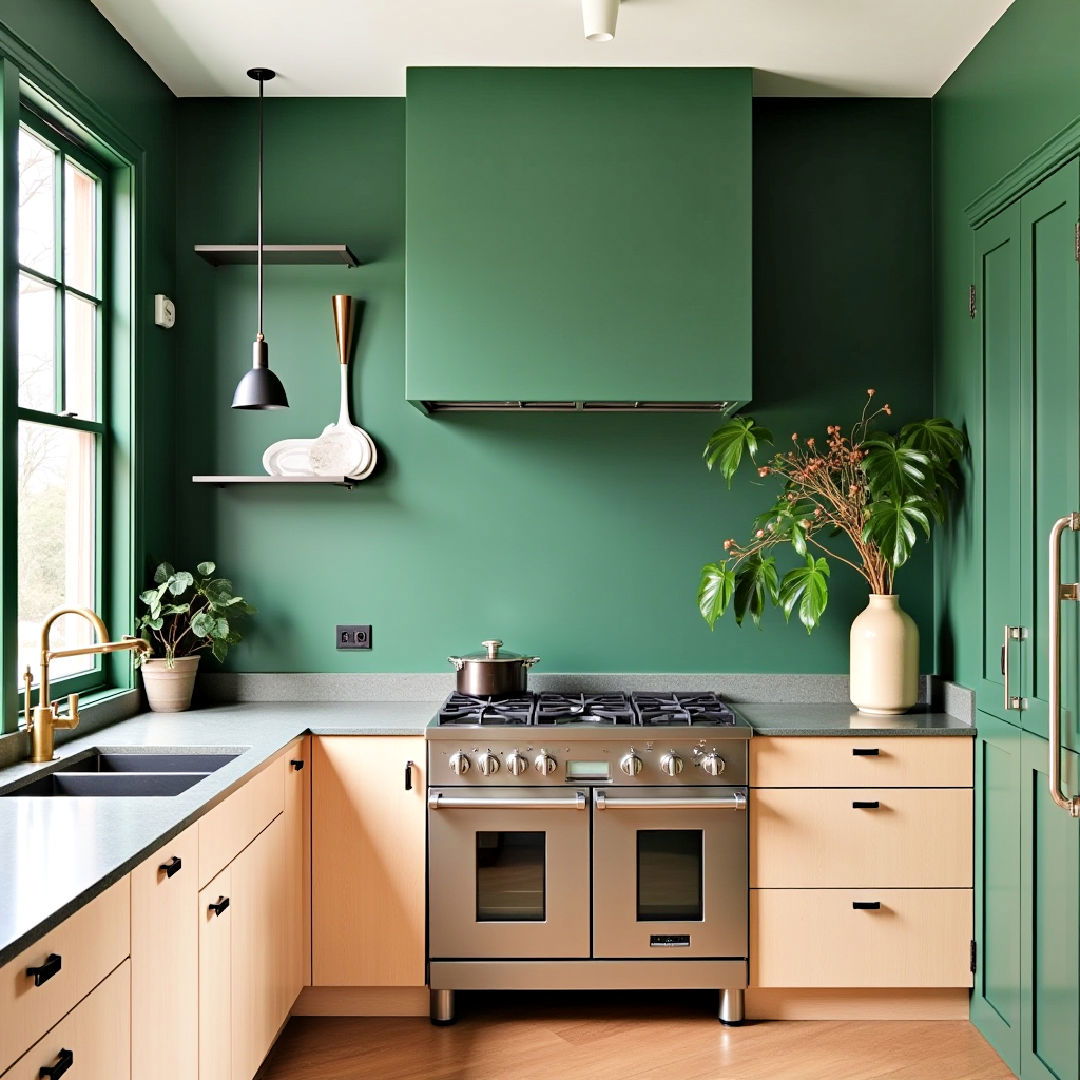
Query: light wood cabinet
298 856
368 895
95 1037
165 960
48 979
215 978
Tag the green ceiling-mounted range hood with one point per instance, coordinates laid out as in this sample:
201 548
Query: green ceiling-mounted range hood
578 238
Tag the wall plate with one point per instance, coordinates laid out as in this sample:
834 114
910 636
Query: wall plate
164 311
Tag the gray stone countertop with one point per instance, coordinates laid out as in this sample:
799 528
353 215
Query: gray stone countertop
841 718
57 854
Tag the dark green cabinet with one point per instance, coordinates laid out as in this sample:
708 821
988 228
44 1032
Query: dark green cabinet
578 235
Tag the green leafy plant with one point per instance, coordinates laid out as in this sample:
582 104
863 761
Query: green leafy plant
861 499
189 613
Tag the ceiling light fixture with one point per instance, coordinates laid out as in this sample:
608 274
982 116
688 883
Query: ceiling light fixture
260 388
599 17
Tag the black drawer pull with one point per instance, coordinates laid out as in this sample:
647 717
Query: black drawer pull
220 906
866 806
297 764
408 775
46 971
64 1060
866 905
172 866
862 751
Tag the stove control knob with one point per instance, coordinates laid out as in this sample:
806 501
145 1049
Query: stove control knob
630 764
671 763
460 763
545 763
489 764
517 762
713 763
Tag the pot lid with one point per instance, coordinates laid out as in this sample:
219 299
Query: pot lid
494 652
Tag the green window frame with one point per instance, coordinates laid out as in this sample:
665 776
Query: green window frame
33 97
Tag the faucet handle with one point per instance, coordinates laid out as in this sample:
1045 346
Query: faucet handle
72 719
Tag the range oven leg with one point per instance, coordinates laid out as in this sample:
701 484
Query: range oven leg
732 1007
442 1007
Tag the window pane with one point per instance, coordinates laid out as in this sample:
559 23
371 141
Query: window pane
80 356
80 229
37 203
510 876
57 479
37 344
669 875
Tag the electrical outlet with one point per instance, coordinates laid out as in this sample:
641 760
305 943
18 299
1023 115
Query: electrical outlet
353 636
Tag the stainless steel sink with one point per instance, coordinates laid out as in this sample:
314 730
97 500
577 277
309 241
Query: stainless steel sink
109 784
123 772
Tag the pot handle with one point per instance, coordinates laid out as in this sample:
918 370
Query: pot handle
528 661
456 661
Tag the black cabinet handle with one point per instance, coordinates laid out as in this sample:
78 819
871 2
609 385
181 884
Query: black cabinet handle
866 905
64 1060
861 751
46 971
408 775
866 806
172 866
297 764
220 906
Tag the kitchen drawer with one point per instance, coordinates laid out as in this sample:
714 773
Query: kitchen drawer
89 945
227 829
96 1035
814 937
855 761
807 838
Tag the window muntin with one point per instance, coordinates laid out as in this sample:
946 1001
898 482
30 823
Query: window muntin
62 434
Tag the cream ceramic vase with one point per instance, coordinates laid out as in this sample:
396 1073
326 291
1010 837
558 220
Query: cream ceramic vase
169 689
884 658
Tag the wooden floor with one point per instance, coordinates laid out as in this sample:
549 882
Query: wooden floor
571 1037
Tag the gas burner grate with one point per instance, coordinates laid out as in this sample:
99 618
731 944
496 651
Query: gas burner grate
466 710
682 710
599 709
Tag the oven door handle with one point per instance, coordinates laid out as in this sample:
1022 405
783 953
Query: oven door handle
439 800
735 801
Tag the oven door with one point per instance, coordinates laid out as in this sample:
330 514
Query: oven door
670 874
508 874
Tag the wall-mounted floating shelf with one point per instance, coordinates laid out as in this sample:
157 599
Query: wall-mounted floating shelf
225 481
278 254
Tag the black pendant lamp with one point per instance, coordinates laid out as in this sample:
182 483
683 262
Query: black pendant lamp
260 388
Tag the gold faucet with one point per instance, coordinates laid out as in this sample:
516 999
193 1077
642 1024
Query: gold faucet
43 721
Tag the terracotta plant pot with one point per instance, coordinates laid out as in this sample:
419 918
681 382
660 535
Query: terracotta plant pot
169 689
884 658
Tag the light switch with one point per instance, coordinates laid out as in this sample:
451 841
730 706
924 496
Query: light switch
164 311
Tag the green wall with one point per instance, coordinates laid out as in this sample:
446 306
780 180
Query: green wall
578 537
81 45
1019 87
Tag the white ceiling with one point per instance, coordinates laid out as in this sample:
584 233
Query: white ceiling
346 48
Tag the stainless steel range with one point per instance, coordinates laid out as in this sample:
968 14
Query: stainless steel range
587 841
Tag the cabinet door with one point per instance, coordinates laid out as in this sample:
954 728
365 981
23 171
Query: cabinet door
368 861
1050 922
298 870
1050 294
1001 454
995 1002
165 960
258 947
215 978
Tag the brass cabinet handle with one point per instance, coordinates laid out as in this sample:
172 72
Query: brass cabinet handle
1059 591
1011 633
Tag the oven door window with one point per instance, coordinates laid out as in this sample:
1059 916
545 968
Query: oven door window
510 870
669 875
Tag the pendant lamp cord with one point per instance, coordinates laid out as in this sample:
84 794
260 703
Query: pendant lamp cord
262 83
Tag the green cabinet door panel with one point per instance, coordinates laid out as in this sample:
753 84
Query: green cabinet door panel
578 234
1050 378
996 273
1050 920
995 1001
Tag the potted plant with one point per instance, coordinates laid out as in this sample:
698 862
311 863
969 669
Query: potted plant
860 498
187 615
